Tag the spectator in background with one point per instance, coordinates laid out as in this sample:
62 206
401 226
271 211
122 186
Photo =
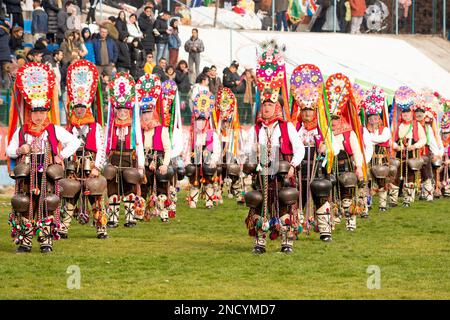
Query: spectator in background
194 46
162 36
51 8
62 22
87 38
133 29
231 78
281 7
170 73
174 42
146 24
123 59
41 46
204 71
34 56
39 21
249 91
160 69
5 52
73 19
91 14
215 84
16 40
182 77
106 52
137 54
141 10
70 50
55 64
79 43
14 9
358 8
121 24
149 64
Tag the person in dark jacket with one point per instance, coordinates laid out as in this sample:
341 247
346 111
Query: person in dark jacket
231 78
160 70
14 9
121 25
41 46
52 9
137 54
146 25
62 22
182 77
205 71
16 41
105 63
5 52
123 60
215 84
91 14
162 39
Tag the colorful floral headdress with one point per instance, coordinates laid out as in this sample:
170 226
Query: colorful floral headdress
338 90
271 75
35 82
306 87
445 123
203 104
121 90
375 101
169 91
82 81
405 98
148 89
359 94
226 104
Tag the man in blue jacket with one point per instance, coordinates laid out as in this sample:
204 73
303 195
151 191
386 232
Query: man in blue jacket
106 52
39 23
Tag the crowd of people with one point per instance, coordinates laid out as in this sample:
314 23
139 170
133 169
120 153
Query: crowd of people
318 151
137 43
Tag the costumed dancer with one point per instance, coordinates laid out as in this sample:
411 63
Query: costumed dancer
83 182
349 163
378 145
444 182
228 128
172 121
34 149
157 147
124 150
307 105
275 150
408 138
204 151
425 112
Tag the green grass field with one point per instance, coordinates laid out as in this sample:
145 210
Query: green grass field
206 254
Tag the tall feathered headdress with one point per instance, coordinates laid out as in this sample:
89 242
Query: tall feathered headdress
342 105
271 76
82 87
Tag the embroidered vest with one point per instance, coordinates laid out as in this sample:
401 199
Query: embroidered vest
157 139
285 142
51 137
